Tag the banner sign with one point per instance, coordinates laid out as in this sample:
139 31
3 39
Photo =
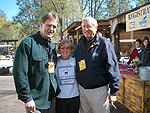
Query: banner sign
139 19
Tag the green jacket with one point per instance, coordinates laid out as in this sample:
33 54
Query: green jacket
30 71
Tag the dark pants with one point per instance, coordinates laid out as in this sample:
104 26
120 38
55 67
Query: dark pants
70 105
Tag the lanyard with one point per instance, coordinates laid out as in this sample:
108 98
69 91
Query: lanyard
46 48
48 51
88 50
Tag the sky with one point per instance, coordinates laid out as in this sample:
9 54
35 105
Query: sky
10 8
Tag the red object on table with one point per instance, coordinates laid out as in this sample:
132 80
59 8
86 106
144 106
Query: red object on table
126 69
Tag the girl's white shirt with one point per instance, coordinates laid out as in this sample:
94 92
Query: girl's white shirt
65 75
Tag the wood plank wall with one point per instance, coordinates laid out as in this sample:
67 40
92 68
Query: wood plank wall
124 45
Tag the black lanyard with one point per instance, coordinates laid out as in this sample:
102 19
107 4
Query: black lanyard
88 50
48 51
49 55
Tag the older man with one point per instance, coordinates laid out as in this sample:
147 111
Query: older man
34 68
97 70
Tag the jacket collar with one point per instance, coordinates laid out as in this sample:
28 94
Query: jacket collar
94 41
97 39
43 41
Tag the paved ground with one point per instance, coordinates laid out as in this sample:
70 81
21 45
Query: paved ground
10 104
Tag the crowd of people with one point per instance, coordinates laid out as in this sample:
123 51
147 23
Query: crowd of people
87 82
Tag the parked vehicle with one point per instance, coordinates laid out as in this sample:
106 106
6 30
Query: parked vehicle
6 60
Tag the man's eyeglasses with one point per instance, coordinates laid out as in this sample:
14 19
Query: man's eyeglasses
67 48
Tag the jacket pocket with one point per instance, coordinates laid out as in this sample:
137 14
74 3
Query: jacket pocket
39 64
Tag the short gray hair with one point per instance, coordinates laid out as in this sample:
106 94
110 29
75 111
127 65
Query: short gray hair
93 20
63 42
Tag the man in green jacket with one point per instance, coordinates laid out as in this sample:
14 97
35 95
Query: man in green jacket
34 65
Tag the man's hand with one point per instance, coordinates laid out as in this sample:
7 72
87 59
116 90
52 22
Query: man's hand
112 99
30 106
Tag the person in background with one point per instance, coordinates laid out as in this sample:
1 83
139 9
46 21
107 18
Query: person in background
136 51
33 69
68 100
145 54
97 70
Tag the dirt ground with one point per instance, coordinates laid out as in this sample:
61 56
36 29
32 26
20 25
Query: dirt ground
10 104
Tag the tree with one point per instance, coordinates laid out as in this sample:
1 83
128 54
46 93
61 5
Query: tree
102 9
2 14
31 12
68 12
29 16
91 7
140 2
116 7
8 30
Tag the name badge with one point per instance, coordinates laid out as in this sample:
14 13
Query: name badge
51 67
67 75
82 65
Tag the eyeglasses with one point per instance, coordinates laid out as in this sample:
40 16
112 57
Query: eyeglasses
67 48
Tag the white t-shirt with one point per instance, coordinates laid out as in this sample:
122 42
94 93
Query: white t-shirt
65 73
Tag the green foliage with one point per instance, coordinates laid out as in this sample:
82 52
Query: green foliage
2 14
111 8
102 9
28 16
8 30
31 12
140 2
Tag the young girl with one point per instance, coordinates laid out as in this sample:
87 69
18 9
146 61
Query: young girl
68 100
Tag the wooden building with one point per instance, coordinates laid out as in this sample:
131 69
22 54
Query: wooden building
116 29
